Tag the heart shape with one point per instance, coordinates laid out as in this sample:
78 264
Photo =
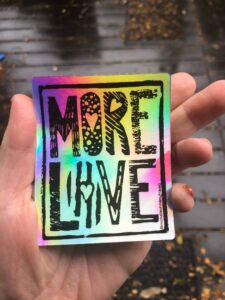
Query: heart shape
115 105
86 190
91 119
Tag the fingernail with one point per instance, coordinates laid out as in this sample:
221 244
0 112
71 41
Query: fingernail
188 189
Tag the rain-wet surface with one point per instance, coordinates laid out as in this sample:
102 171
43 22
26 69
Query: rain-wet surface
43 38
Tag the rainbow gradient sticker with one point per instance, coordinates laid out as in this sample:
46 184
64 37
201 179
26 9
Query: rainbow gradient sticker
103 169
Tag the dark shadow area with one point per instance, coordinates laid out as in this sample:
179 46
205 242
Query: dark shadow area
166 271
212 19
70 25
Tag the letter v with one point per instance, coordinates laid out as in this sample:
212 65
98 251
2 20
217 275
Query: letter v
113 201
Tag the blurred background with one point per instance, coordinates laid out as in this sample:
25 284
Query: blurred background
81 37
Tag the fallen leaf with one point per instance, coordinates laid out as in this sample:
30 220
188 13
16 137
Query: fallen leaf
150 292
134 291
203 251
179 239
169 246
205 294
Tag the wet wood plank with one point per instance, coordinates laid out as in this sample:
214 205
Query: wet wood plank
105 57
85 69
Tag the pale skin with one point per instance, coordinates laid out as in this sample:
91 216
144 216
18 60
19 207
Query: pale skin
90 271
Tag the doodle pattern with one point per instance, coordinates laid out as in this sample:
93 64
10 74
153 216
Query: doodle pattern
91 123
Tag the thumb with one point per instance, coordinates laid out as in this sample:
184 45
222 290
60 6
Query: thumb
17 153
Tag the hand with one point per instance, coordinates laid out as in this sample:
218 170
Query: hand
95 271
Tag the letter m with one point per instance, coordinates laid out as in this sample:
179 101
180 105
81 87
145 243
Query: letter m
63 125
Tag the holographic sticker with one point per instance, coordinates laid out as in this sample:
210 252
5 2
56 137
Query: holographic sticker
103 158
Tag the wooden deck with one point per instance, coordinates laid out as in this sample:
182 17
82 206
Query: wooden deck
45 38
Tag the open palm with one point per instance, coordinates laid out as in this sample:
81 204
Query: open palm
89 271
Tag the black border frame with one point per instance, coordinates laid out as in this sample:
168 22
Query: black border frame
41 88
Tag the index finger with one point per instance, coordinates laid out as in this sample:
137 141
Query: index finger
198 111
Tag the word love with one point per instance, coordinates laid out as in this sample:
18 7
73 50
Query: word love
102 159
89 194
115 107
